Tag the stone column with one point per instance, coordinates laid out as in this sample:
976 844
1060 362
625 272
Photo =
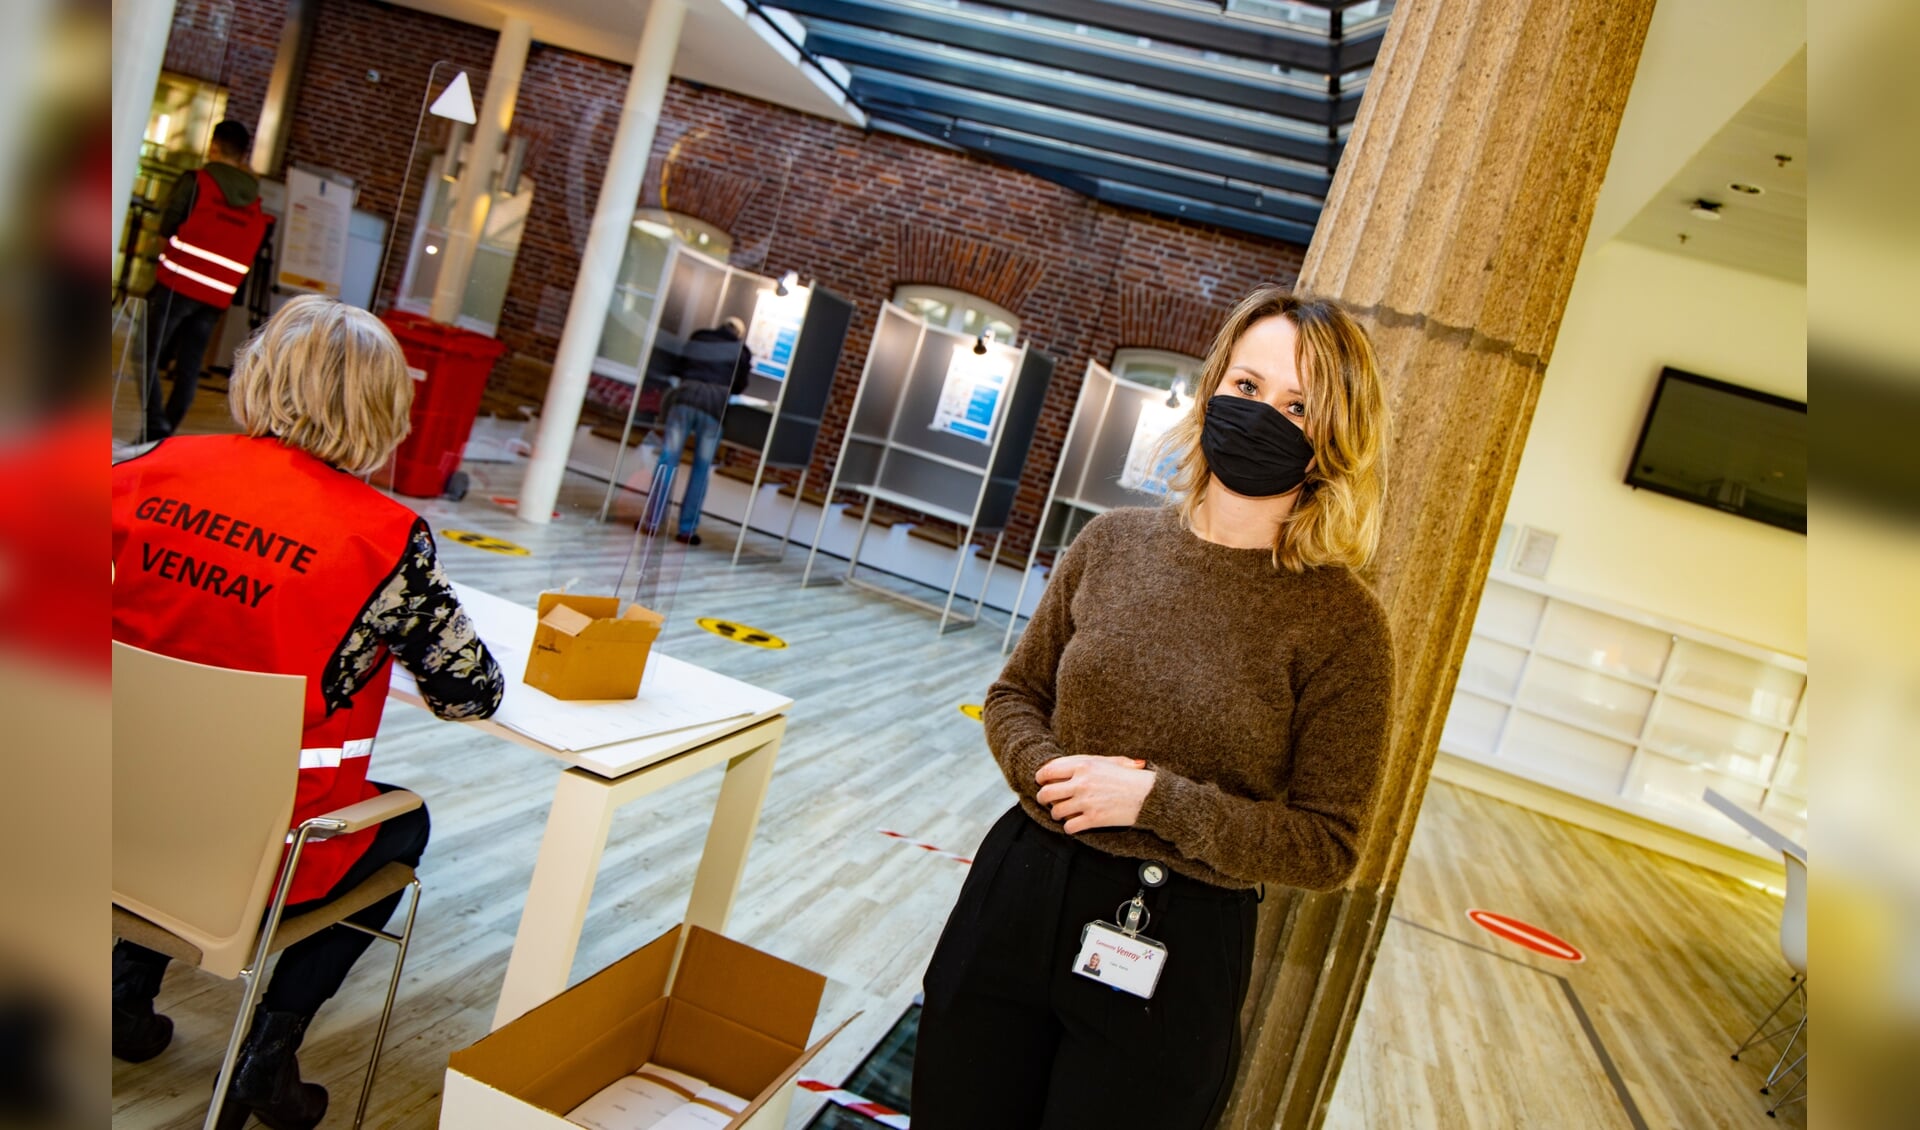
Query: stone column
1453 228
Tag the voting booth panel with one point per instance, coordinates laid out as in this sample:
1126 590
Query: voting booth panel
796 339
1113 456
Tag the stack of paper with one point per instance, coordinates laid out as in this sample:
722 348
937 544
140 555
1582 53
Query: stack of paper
658 1098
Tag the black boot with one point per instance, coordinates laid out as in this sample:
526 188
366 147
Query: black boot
139 1033
266 1076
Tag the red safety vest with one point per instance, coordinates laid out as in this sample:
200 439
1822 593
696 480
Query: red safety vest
248 554
209 257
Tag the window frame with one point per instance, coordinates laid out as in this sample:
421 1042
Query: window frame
959 304
1187 367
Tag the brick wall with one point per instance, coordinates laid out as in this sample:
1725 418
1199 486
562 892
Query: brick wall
861 212
230 42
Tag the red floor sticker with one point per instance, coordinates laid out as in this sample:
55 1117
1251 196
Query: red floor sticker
1524 934
884 1115
910 841
511 503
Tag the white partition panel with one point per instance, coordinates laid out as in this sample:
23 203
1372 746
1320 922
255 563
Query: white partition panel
941 424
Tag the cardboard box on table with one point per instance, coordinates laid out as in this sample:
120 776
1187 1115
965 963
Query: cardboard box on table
731 1015
584 647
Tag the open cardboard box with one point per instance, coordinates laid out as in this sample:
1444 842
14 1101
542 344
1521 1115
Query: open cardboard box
733 1016
584 647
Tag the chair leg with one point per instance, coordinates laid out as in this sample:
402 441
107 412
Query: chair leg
1756 1037
1796 1093
251 979
1775 1075
386 1010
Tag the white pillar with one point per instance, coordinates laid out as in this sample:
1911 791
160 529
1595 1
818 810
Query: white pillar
473 192
600 263
140 32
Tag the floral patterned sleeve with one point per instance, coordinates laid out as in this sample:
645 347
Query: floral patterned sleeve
417 617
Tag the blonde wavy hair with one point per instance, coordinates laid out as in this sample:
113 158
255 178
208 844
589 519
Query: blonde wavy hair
326 378
1336 520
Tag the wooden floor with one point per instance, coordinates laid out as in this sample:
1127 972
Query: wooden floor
1459 1029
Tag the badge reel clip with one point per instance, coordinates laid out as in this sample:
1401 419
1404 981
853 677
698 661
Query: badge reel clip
1119 955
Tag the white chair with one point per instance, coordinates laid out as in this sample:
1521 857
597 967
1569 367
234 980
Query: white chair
1793 947
205 761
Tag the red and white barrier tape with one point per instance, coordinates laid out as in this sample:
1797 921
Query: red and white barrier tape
926 847
884 1115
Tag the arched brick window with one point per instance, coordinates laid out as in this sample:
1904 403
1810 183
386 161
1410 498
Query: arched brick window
1157 368
958 311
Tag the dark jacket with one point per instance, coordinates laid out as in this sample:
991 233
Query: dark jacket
239 186
714 365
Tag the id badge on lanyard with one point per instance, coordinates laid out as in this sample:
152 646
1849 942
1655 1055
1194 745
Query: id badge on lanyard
1115 953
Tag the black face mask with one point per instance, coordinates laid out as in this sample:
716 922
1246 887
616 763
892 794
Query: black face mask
1252 447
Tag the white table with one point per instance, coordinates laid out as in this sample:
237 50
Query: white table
601 779
1754 824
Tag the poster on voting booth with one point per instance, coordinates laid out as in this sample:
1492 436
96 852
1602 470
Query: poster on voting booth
970 398
1149 468
774 331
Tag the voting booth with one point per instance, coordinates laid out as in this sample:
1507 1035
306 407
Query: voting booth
1113 457
941 424
794 332
796 340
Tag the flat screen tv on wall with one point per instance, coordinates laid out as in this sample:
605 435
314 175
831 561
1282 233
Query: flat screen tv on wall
1734 449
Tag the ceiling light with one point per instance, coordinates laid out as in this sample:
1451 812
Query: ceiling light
1746 189
1704 209
980 346
787 282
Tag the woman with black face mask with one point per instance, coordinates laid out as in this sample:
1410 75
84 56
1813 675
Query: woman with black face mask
1198 708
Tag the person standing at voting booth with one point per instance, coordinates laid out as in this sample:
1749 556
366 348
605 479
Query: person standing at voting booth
267 552
1199 707
211 229
714 366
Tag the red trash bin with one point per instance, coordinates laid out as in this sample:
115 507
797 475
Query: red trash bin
451 366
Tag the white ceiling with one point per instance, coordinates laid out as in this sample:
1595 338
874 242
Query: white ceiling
1766 233
720 45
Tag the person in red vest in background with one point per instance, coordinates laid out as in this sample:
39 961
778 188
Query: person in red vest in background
266 552
210 231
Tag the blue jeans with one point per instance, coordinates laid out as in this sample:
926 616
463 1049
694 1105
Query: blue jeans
681 420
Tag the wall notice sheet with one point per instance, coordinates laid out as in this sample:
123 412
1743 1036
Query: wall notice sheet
673 695
313 248
970 398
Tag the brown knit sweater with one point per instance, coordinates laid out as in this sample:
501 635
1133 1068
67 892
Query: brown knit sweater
1259 698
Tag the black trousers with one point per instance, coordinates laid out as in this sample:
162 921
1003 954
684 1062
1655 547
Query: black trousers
1012 1038
310 972
178 330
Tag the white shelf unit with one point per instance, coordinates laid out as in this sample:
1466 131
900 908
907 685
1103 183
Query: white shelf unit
1631 710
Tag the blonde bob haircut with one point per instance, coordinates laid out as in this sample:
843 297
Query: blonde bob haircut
326 378
1336 520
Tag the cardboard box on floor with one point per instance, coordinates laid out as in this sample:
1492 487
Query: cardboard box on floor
584 647
731 1015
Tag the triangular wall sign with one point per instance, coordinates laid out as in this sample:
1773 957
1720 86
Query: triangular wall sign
456 101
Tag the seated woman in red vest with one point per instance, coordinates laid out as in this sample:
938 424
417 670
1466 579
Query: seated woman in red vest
266 552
